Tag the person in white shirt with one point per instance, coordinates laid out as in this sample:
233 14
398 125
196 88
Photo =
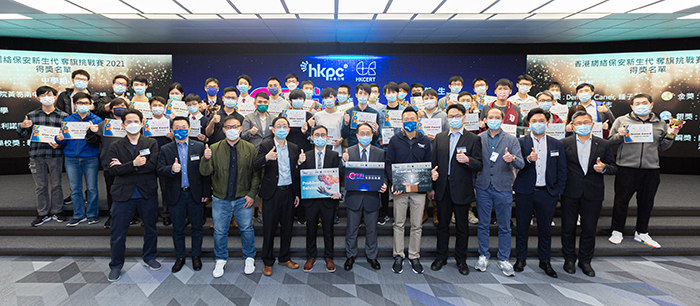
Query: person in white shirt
374 98
292 83
277 102
331 119
244 84
524 85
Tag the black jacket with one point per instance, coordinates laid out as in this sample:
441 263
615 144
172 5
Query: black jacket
369 200
301 139
590 186
269 179
64 100
127 177
200 186
330 160
461 179
555 174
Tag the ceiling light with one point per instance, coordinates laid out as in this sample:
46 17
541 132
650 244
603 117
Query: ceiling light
547 16
362 6
156 6
691 16
567 6
200 16
53 6
461 6
208 6
355 16
510 16
471 16
239 16
106 6
515 6
259 6
394 16
413 6
123 16
619 6
13 17
278 16
433 16
161 16
317 16
310 6
667 6
587 16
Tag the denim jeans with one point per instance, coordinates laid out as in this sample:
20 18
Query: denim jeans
222 211
502 203
76 168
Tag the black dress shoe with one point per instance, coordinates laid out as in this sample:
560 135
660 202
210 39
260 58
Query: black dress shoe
438 264
519 265
463 268
348 263
204 220
374 263
569 267
586 268
196 263
108 222
167 221
547 267
179 263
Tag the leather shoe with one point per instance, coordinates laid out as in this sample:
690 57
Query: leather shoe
348 263
267 270
569 267
437 264
179 263
196 263
374 263
547 267
463 268
167 221
290 264
519 265
330 265
309 265
587 269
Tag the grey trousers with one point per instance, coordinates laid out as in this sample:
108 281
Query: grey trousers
47 171
416 203
354 217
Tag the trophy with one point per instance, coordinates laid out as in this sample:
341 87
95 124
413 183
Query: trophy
213 109
673 122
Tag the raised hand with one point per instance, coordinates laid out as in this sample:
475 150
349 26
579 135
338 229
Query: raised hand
622 130
216 118
312 122
606 124
93 127
302 157
602 108
59 137
507 157
254 129
207 152
272 155
346 156
462 158
114 162
201 137
176 166
139 161
599 166
26 123
434 174
533 156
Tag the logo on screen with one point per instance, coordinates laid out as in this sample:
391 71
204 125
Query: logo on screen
320 71
353 176
365 69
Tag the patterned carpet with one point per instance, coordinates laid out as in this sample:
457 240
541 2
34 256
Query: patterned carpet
622 281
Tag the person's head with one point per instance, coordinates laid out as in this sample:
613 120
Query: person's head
582 122
132 121
308 87
328 95
362 92
343 93
230 96
364 134
503 89
243 83
573 110
455 115
538 120
464 98
81 78
494 118
46 94
456 83
82 102
373 92
176 92
585 91
232 127
280 126
139 84
180 127
262 102
297 98
119 84
319 134
430 98
642 104
291 81
273 86
391 91
525 82
409 117
157 105
555 89
117 106
192 101
545 99
404 90
417 89
480 85
211 86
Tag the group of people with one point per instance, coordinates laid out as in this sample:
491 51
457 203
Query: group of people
235 160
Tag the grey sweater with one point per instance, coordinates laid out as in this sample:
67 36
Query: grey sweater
499 173
640 155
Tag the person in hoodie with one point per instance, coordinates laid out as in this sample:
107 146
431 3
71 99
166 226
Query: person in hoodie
82 160
81 80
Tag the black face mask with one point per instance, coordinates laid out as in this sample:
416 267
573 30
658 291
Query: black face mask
417 94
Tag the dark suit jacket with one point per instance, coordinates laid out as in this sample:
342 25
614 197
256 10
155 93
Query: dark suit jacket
555 175
590 186
461 179
330 160
269 179
200 186
370 200
127 177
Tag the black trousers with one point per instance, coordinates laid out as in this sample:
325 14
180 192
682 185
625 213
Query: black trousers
444 210
571 208
544 204
299 213
187 207
384 209
628 181
319 210
163 201
278 210
122 213
109 181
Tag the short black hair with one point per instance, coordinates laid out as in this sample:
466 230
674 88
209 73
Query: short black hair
364 124
503 115
536 111
159 99
273 79
297 94
345 86
262 94
582 85
179 118
579 114
391 86
211 79
465 93
431 92
555 84
404 86
81 95
364 87
245 77
374 85
129 111
291 76
117 101
177 86
120 76
477 79
455 78
141 79
526 77
231 88
458 106
318 127
274 121
45 89
504 82
80 72
327 92
409 109
232 116
193 97
417 85
641 95
305 82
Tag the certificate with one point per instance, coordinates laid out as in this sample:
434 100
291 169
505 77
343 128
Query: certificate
387 133
113 128
432 126
144 108
319 183
560 110
510 129
296 117
195 128
179 108
364 176
417 102
393 118
275 109
344 107
74 130
471 122
526 107
45 134
156 127
597 129
556 130
362 117
244 107
412 177
308 105
639 133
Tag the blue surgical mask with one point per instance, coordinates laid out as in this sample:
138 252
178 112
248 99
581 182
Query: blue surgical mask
642 110
83 109
281 133
242 88
80 84
140 90
410 126
181 134
362 100
364 140
330 102
494 124
297 103
583 129
119 89
402 95
118 111
455 123
545 106
273 90
211 91
456 89
193 109
320 141
262 108
391 97
538 128
342 98
584 97
309 93
230 103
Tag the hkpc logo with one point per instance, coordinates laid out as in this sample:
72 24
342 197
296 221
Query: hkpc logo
328 73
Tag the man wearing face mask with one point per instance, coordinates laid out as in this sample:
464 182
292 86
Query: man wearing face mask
524 85
234 184
292 83
510 109
214 130
638 164
140 85
537 188
374 98
256 125
545 101
587 158
158 110
308 87
276 99
133 161
362 92
598 110
344 97
404 91
45 159
300 136
81 80
178 170
211 87
196 118
120 84
331 118
82 160
455 83
432 111
243 84
391 92
480 86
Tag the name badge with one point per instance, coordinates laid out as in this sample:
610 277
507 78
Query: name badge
554 153
462 150
494 157
145 152
194 157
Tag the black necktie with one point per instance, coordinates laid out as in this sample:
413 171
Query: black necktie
364 155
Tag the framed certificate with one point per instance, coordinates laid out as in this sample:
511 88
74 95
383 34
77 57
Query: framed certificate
412 177
364 176
639 133
113 128
319 183
74 130
362 117
45 134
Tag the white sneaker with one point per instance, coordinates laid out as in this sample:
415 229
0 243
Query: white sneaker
506 267
553 224
578 221
646 239
219 268
249 265
616 237
532 221
482 264
472 218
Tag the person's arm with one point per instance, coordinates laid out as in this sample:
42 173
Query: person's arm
389 160
345 130
247 125
210 127
206 168
475 163
255 182
614 137
125 168
163 169
666 139
151 160
23 133
609 161
100 110
518 161
260 161
561 168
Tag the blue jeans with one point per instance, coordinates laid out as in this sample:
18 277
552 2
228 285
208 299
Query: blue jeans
501 202
76 167
222 211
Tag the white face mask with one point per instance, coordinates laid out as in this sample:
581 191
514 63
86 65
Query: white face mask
480 90
157 110
524 89
47 100
232 134
430 104
133 128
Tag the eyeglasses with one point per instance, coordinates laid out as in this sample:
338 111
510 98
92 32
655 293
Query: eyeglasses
280 126
83 103
228 127
582 123
320 135
544 101
365 134
452 117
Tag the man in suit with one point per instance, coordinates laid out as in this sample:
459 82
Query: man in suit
537 188
363 203
588 158
321 157
457 159
256 129
280 192
178 167
133 162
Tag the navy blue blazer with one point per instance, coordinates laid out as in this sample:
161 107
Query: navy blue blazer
555 175
200 186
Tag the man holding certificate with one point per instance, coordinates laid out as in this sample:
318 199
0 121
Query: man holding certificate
641 134
45 155
359 114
